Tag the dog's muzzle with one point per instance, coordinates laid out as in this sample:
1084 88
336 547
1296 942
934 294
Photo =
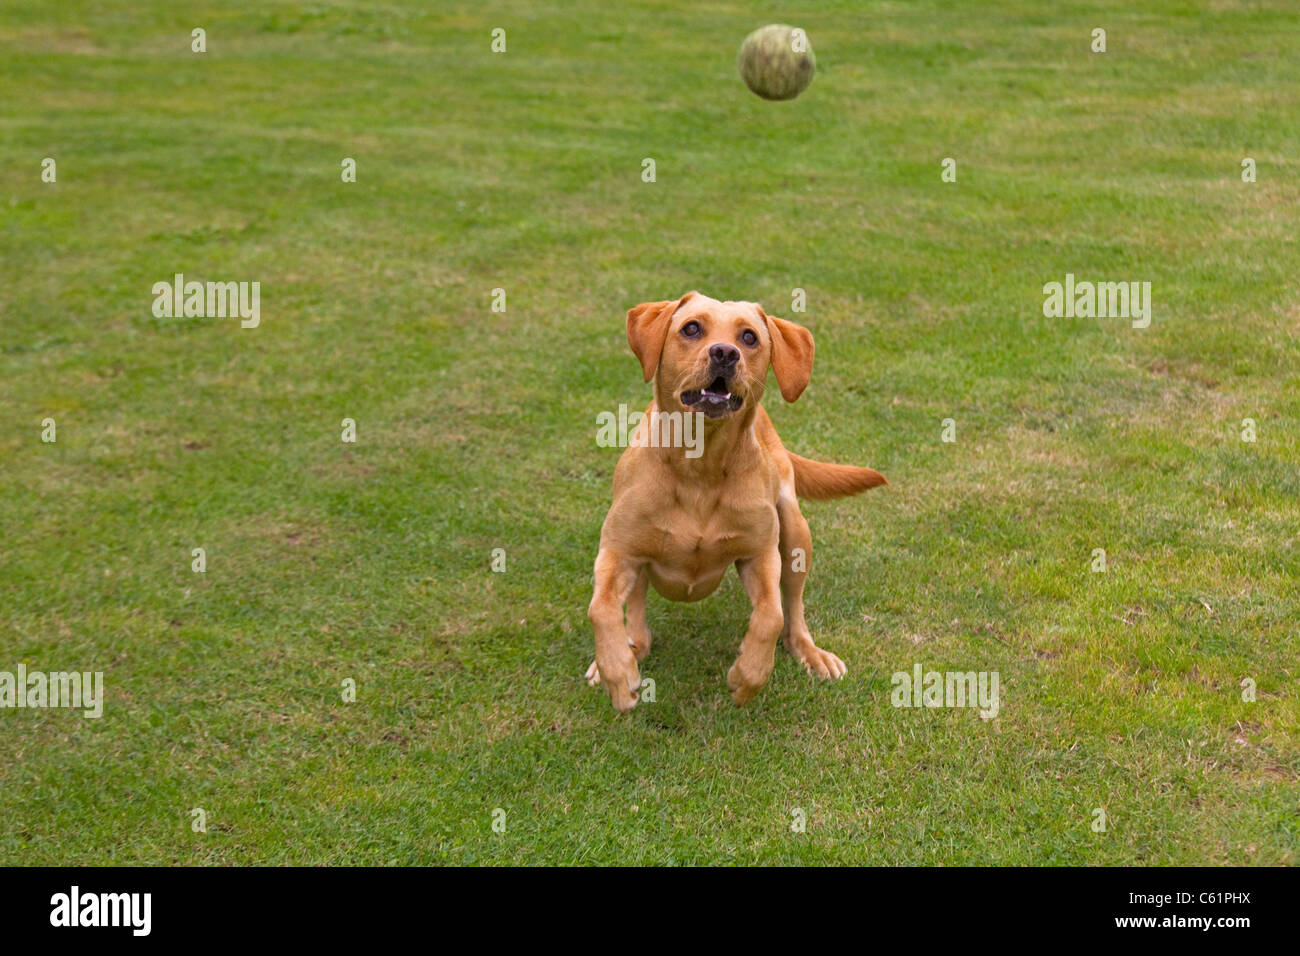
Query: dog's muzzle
715 400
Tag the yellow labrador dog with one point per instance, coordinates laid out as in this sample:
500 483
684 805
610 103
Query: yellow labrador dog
681 516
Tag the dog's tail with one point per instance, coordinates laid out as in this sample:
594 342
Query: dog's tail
820 480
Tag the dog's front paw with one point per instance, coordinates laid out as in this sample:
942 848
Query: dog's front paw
745 683
624 691
820 663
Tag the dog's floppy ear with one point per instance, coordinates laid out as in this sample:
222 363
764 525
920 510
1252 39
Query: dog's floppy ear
647 330
792 355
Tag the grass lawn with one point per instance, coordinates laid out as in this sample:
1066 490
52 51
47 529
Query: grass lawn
522 171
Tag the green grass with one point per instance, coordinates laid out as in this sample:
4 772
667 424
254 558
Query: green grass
476 429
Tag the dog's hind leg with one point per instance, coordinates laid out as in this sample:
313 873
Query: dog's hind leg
796 559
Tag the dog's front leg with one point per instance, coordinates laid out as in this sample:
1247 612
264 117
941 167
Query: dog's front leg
761 576
615 665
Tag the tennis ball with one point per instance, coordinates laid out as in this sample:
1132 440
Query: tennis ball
777 62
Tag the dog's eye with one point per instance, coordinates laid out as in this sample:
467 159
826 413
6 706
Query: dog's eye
691 329
749 338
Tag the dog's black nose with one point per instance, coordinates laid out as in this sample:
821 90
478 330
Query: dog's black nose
724 356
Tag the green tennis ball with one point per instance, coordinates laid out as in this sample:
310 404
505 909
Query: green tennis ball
777 62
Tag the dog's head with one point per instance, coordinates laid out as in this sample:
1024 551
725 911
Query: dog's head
712 357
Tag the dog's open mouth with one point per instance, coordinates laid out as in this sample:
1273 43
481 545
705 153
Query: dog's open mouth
714 400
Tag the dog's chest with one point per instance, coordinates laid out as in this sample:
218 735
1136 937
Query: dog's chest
703 531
